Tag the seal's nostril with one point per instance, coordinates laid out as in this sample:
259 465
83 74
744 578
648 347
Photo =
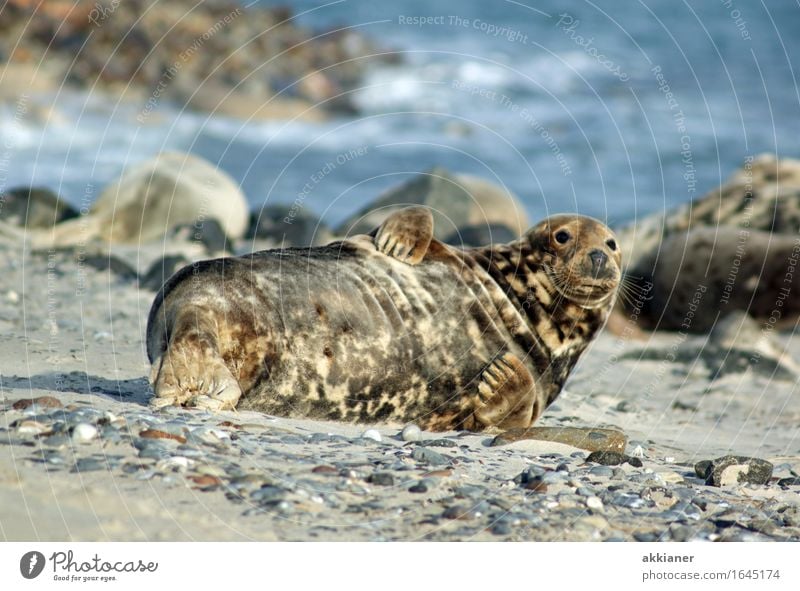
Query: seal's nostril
598 258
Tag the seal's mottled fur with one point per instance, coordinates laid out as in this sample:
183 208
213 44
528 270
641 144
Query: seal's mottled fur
391 326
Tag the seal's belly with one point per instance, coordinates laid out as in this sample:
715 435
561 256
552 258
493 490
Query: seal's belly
367 338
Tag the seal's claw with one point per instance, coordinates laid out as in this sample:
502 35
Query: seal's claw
406 234
506 394
194 377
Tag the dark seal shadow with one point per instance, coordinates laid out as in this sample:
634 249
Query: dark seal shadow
136 390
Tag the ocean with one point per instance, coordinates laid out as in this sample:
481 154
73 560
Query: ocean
610 109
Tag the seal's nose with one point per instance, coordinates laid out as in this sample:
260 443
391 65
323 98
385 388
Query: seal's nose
599 259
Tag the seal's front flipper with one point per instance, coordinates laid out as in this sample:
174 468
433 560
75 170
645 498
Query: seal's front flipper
406 234
506 395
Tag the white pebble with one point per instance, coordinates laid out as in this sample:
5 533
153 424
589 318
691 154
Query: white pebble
31 428
371 434
83 432
594 503
638 452
411 433
669 460
12 296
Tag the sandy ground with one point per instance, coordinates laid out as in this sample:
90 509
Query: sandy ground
76 333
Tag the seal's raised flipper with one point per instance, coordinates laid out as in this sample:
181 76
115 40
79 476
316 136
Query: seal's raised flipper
406 234
191 371
506 393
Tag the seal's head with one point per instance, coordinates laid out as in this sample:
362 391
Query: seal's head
580 256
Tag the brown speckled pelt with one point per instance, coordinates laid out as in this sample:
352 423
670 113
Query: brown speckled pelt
391 326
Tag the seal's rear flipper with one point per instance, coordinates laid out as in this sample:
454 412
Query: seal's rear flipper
406 234
191 371
507 394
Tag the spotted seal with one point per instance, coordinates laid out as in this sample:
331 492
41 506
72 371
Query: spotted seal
390 326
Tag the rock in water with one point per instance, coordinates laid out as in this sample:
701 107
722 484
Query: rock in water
457 200
588 439
152 197
729 470
34 207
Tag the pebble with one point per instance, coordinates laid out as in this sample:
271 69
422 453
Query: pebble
31 428
594 503
628 500
158 434
372 434
428 456
41 402
583 438
731 470
382 479
89 465
411 433
83 433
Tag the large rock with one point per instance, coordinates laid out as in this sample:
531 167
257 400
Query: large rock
730 250
287 225
457 200
153 197
34 208
762 195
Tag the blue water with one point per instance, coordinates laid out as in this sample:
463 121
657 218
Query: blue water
570 118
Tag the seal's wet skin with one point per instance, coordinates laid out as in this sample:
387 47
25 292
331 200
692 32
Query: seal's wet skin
392 326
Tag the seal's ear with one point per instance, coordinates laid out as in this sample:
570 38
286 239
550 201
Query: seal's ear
539 237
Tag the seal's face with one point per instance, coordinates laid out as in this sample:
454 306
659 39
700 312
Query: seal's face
581 258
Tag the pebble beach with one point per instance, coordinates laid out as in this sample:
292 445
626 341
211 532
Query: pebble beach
83 457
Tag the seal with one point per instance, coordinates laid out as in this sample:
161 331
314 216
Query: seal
389 326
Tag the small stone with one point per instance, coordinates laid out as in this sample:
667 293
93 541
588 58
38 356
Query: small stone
157 434
89 465
418 488
428 456
411 433
41 401
324 470
31 428
594 503
537 485
83 432
461 512
728 470
446 473
381 479
206 481
371 434
602 472
501 528
791 481
588 439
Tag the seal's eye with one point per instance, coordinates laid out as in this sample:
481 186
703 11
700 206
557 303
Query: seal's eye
562 236
612 244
